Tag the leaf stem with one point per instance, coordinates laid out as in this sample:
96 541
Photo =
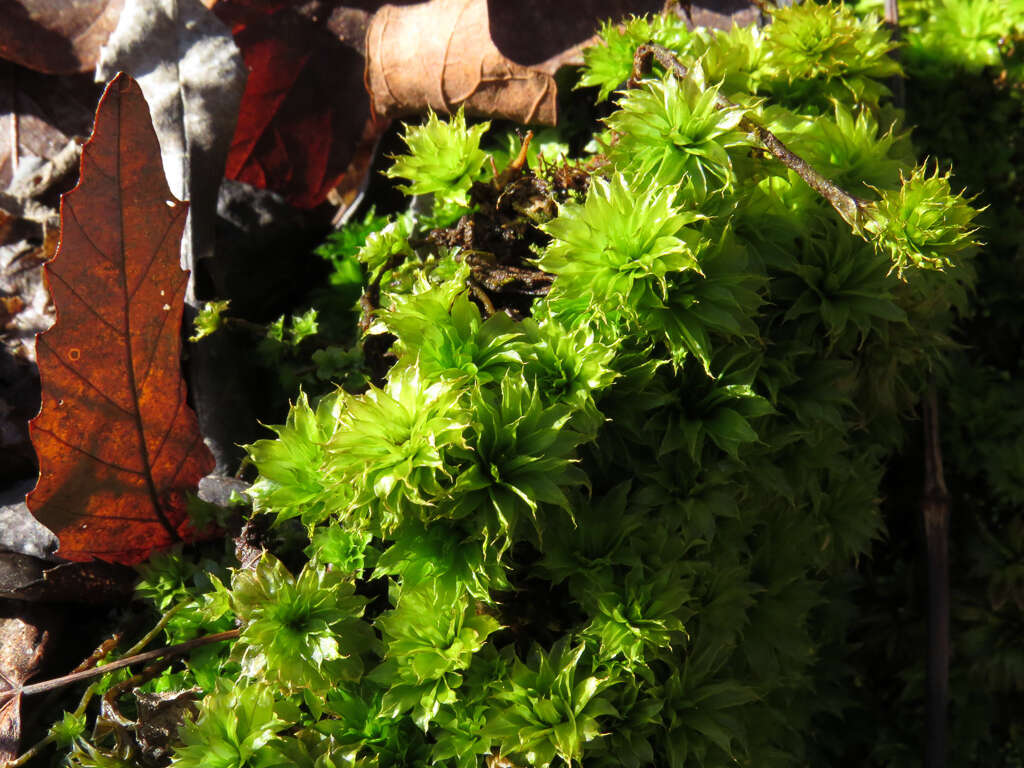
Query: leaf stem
846 205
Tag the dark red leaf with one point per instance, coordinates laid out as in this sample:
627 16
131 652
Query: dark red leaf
304 110
118 446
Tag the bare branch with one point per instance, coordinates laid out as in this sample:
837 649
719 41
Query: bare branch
846 205
935 508
138 658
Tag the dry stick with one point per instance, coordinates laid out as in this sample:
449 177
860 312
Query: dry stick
849 207
515 168
89 674
481 296
134 656
15 139
91 661
102 651
892 21
935 508
109 709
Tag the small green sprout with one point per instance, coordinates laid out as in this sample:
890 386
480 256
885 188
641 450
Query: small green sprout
304 326
340 548
68 729
381 246
209 319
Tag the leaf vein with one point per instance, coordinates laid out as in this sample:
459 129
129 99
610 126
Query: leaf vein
83 377
84 452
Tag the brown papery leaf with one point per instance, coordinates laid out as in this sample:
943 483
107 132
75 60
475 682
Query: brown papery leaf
39 114
440 55
58 37
23 643
118 446
10 723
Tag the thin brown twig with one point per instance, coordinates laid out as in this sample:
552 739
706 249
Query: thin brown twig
369 301
849 207
935 508
101 652
15 139
515 168
138 658
892 21
109 706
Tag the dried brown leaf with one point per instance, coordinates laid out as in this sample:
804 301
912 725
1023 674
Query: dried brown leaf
56 36
440 55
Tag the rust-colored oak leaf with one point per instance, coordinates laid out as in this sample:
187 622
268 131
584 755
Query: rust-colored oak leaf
118 445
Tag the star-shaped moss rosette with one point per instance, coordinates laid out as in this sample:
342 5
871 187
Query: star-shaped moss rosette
444 159
923 225
301 632
674 132
553 705
442 332
292 479
620 245
828 46
430 639
397 447
522 460
237 727
610 63
435 556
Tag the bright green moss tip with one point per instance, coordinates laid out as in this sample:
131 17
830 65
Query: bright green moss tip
923 225
444 158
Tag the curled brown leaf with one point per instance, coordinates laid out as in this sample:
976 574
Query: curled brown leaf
440 55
